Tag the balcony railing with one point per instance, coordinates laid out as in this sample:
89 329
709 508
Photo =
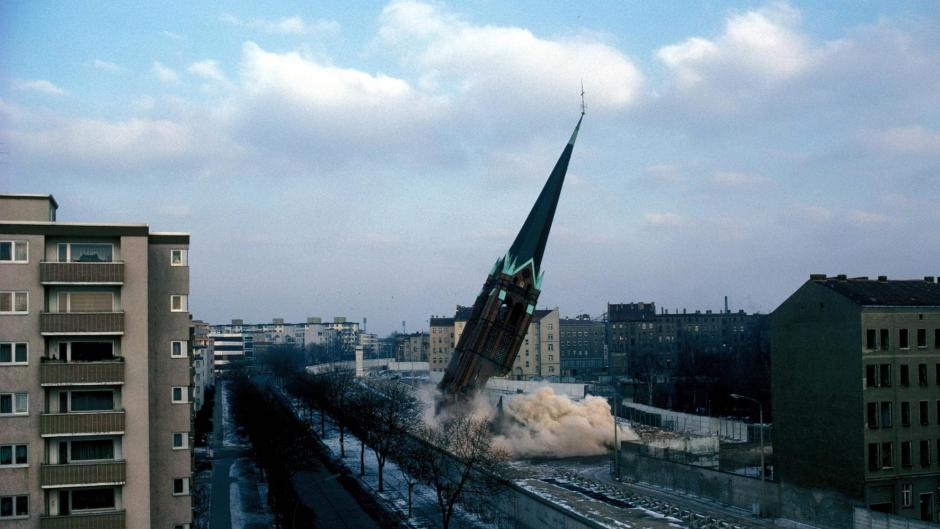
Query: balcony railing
81 423
111 273
98 520
79 474
81 323
53 373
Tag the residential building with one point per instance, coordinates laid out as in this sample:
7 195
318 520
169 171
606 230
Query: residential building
231 346
412 347
856 391
582 343
95 388
203 362
442 343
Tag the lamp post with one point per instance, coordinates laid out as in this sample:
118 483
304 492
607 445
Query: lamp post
761 411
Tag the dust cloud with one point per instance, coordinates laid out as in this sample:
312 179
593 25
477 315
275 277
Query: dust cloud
546 424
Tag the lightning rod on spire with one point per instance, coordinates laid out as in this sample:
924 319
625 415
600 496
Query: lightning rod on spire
583 107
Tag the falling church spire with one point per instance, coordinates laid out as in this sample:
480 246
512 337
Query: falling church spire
500 317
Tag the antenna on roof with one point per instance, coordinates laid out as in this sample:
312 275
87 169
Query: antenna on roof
583 107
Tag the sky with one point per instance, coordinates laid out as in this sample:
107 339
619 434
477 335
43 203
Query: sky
373 161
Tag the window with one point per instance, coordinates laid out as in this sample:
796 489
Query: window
905 414
86 351
86 301
885 375
905 375
870 339
14 507
178 303
906 453
873 456
13 455
887 455
92 499
871 376
872 415
85 253
925 453
178 349
180 486
180 394
924 413
13 353
14 404
886 415
902 339
180 440
922 374
14 252
936 338
94 450
101 400
181 526
906 495
14 302
178 257
922 338
884 339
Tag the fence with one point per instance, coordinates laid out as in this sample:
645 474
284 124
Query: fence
866 519
695 424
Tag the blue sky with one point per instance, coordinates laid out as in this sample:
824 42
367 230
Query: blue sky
373 161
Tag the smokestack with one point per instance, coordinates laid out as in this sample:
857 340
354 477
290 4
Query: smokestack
726 305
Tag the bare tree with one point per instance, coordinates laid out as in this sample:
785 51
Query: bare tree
340 385
389 411
456 457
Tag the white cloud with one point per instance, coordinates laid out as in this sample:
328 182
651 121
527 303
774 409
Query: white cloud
286 25
505 65
107 66
207 69
39 85
867 218
729 179
164 73
812 213
657 220
172 36
908 140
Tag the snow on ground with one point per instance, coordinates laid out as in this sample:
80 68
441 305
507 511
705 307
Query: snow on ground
248 496
231 437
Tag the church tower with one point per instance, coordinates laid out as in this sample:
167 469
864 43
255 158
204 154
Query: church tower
501 314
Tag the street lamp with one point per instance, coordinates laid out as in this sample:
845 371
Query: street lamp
761 411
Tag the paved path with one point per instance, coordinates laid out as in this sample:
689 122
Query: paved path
220 513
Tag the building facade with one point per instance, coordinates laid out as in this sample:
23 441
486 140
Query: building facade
583 347
856 391
441 346
95 358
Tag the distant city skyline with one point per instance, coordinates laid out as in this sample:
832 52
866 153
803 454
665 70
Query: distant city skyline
327 159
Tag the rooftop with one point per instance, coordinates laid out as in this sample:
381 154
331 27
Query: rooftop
884 292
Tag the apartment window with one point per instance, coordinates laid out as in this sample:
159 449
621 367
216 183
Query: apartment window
870 339
872 415
902 339
925 453
885 375
85 253
887 455
905 375
93 450
885 343
180 440
180 394
873 459
937 374
905 414
178 349
936 338
98 400
178 303
13 455
924 413
886 418
86 301
14 507
180 486
922 374
871 375
14 404
83 351
181 526
14 302
907 495
922 338
905 453
14 252
13 353
91 499
178 257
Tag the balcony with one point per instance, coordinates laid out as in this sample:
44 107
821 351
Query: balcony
83 474
52 373
82 423
53 323
111 273
98 520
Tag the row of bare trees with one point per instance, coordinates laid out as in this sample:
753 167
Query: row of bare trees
454 456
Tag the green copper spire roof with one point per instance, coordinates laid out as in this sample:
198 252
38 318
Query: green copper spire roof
530 243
